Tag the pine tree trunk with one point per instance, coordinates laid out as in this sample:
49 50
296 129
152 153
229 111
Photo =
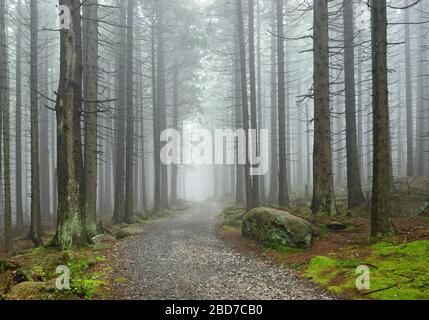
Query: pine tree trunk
174 171
4 104
354 184
274 176
282 175
259 85
90 38
129 191
35 232
381 223
239 191
323 193
245 103
71 231
409 96
119 205
156 124
18 126
256 200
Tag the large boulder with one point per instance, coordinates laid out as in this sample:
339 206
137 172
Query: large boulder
274 227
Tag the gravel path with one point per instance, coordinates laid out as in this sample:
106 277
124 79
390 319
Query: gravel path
182 258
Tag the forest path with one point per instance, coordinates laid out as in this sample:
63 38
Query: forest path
182 258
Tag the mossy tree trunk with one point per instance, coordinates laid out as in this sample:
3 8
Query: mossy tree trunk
71 230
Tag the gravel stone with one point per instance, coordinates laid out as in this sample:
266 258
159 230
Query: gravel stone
183 259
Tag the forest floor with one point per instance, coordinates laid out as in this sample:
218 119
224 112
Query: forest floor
398 266
184 258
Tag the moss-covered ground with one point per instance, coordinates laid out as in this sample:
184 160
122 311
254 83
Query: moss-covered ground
397 271
31 274
399 267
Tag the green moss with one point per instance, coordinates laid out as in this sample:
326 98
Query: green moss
232 218
397 271
38 269
276 228
283 249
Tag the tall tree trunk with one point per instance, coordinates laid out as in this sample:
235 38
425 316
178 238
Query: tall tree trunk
274 176
156 123
71 230
259 85
239 189
142 133
421 112
354 184
129 192
360 113
119 206
381 223
35 232
245 102
283 178
256 200
18 126
4 104
43 135
409 96
90 77
323 190
174 171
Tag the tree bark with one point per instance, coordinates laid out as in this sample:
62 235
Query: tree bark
18 126
4 104
282 175
239 188
274 174
381 224
256 200
129 191
90 13
323 193
36 223
354 184
119 206
245 103
71 230
409 96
